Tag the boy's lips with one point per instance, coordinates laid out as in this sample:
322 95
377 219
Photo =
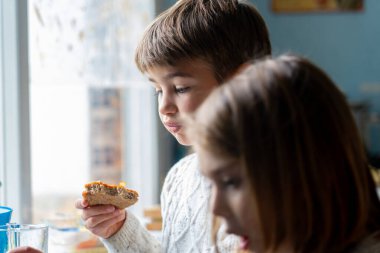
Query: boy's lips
173 127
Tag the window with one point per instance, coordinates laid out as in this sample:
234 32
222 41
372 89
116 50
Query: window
92 114
73 107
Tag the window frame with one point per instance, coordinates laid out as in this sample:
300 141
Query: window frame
2 195
15 139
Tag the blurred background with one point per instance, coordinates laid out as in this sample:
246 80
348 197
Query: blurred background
74 107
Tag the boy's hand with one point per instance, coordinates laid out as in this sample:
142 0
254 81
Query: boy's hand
101 220
24 250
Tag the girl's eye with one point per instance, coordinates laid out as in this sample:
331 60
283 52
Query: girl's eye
182 90
231 183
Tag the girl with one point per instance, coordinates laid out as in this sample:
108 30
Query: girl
287 166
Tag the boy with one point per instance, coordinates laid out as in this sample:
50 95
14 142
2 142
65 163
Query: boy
189 50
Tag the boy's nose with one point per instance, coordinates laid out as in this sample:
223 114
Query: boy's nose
166 105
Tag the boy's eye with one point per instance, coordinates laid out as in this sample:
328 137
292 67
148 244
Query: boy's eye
182 90
158 93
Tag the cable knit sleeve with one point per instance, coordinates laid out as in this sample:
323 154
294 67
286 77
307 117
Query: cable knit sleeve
185 216
132 238
226 242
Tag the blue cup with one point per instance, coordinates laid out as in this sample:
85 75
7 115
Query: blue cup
3 238
5 217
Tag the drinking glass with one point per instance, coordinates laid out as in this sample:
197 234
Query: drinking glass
35 236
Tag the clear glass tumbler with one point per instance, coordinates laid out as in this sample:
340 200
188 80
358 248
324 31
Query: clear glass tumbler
35 236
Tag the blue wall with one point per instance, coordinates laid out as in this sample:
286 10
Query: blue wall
346 45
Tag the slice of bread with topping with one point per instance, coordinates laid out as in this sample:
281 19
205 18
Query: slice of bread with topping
99 193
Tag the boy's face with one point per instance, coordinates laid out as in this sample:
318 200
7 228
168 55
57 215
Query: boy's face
231 197
181 89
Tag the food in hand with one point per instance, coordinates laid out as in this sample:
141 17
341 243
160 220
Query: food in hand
99 193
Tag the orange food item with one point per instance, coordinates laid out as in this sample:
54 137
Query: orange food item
99 193
90 243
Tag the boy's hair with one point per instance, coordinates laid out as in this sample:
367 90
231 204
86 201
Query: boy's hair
224 33
292 130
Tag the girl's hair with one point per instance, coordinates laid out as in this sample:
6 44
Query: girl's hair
293 131
224 33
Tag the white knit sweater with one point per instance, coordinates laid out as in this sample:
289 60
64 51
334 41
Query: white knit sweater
186 218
